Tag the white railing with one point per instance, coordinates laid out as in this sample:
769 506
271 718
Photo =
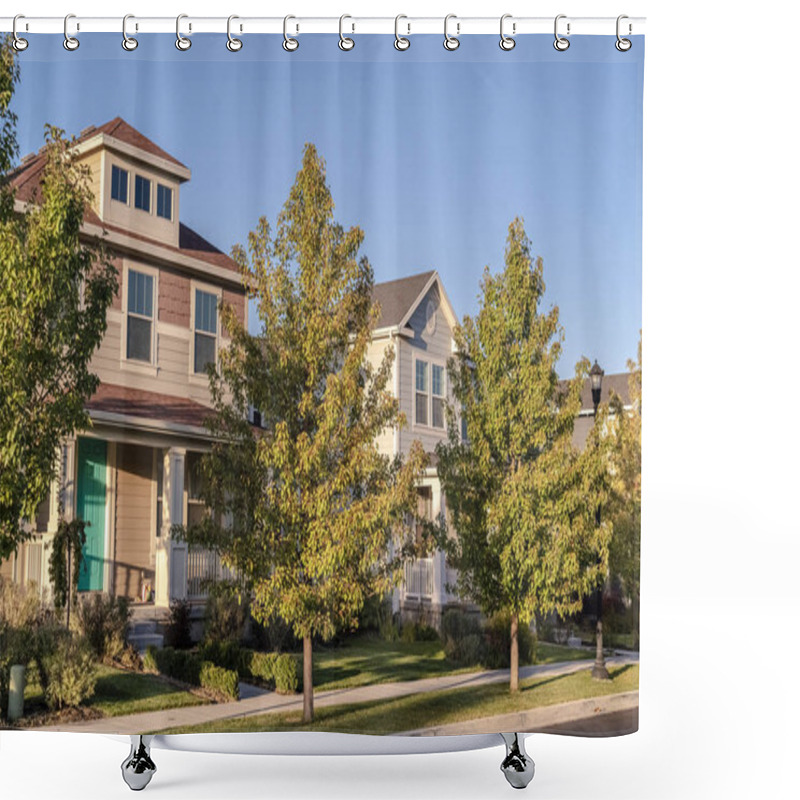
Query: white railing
202 569
419 578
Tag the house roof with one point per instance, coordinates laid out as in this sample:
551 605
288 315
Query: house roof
129 402
396 297
617 382
27 177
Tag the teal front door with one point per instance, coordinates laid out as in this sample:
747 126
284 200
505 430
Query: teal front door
91 506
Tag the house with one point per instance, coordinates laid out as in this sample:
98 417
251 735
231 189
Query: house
417 320
133 474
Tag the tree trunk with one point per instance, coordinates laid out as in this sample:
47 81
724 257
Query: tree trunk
514 653
308 681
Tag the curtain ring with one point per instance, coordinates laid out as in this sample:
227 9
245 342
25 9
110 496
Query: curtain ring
233 44
18 43
70 42
345 42
128 42
451 42
507 42
401 42
181 41
561 44
623 45
290 44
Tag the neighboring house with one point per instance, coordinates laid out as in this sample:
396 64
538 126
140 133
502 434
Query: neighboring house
133 474
417 322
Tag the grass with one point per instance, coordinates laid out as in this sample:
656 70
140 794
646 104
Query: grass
121 692
366 660
434 708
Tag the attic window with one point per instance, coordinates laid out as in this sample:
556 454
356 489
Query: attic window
142 194
163 201
119 184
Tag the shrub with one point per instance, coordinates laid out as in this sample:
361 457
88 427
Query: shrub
20 606
179 628
262 666
178 664
498 642
462 636
226 614
103 621
287 674
49 635
275 635
70 674
419 632
221 680
226 654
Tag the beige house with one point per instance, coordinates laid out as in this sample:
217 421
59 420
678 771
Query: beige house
133 474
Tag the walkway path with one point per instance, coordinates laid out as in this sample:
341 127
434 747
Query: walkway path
270 702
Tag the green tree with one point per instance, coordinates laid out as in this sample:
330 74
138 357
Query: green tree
55 288
625 498
305 507
522 499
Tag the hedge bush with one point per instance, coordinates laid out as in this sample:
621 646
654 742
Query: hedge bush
219 679
191 668
498 642
226 654
103 621
463 637
287 674
71 677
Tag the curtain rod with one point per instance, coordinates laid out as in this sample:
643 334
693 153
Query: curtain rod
406 25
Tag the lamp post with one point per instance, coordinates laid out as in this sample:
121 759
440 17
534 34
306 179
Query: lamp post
599 671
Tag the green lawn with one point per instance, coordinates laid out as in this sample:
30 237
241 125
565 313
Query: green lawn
434 708
121 692
367 660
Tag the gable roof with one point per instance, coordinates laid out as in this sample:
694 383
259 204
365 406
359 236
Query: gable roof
397 297
118 129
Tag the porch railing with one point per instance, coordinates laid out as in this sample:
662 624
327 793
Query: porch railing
203 569
419 578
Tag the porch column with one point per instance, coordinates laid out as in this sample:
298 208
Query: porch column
171 556
69 478
438 598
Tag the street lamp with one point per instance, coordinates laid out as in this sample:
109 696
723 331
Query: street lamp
599 671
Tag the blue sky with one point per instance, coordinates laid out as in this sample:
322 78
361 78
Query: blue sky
431 152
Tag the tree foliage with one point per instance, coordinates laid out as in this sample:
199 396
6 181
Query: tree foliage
304 508
55 288
522 499
625 499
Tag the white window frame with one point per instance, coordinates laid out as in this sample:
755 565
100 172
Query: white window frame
171 191
208 288
429 426
135 365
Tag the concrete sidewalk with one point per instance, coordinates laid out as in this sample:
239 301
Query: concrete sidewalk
154 721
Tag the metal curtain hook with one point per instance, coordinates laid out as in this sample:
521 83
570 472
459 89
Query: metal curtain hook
507 42
128 42
18 43
451 42
290 44
181 41
70 42
345 42
623 45
233 44
561 44
401 42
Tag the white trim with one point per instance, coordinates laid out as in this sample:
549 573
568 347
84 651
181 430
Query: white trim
431 362
150 181
208 288
109 549
147 424
445 303
114 162
151 367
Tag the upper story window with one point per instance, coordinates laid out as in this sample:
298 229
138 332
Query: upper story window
429 394
163 201
119 184
140 316
205 330
141 197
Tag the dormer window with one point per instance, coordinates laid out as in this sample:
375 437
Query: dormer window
164 201
119 184
141 197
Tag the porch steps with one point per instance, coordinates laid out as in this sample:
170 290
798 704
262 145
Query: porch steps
144 626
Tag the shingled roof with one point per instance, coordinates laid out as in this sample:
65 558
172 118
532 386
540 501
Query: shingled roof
396 297
26 179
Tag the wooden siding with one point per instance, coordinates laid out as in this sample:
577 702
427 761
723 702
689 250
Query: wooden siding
133 519
435 348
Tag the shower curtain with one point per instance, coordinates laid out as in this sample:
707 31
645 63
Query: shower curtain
355 421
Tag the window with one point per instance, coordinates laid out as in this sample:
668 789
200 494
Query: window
429 395
421 395
141 197
163 201
205 330
437 396
119 184
140 316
